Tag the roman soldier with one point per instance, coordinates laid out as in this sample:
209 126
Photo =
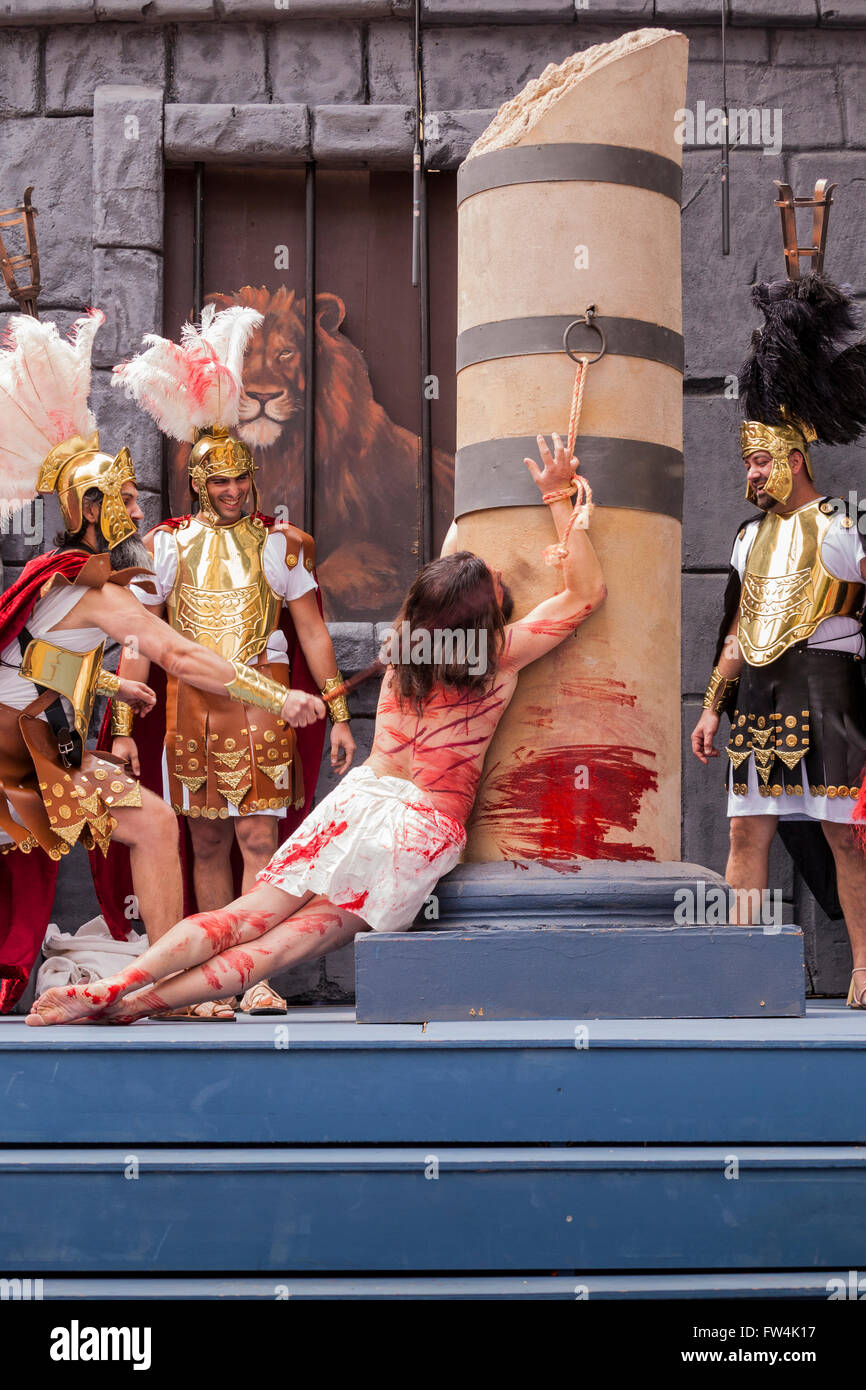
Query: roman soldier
241 583
54 792
789 659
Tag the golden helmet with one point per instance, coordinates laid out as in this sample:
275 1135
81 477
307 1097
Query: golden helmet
779 441
218 453
77 465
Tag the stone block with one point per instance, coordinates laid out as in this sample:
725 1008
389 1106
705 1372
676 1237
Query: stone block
635 12
827 950
448 135
55 156
19 63
362 732
293 10
742 45
842 12
226 61
128 179
719 313
18 12
127 286
391 63
300 985
320 59
23 532
156 11
78 60
224 134
703 598
497 61
784 12
714 504
339 970
688 11
845 245
121 422
377 135
154 511
797 108
705 824
796 48
854 99
354 645
502 12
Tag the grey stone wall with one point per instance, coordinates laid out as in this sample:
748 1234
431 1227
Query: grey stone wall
98 94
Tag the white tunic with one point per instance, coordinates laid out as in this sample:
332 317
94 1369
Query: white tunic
841 552
288 583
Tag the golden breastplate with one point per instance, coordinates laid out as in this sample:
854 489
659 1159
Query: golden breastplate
220 595
786 590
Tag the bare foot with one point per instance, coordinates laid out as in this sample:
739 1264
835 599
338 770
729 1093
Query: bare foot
66 1005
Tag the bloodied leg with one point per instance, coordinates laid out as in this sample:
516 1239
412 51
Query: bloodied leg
192 941
312 931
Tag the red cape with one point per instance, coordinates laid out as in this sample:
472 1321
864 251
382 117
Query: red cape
27 881
111 876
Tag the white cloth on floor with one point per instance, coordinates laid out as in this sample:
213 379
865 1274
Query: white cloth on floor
376 846
91 953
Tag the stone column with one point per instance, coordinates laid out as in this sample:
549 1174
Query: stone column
571 198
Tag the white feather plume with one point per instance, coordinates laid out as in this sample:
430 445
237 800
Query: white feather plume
197 383
44 391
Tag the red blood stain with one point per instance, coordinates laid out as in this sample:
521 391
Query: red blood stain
442 750
355 903
614 692
535 811
211 976
297 851
240 961
317 923
223 928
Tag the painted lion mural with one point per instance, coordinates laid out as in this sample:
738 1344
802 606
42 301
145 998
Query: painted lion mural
366 465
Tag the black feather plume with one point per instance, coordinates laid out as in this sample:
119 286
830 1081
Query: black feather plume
802 361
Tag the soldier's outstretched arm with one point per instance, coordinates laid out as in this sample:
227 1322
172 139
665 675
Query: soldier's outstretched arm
127 621
583 588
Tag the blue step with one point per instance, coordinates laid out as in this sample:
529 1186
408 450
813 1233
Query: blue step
318 1077
590 940
787 1284
478 1210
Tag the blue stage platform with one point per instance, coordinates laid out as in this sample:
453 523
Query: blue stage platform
312 1156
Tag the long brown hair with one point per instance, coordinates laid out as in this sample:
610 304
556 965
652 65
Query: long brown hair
453 594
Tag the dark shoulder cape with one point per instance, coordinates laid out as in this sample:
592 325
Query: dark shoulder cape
111 875
27 881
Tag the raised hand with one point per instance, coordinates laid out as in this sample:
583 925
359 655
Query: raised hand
557 469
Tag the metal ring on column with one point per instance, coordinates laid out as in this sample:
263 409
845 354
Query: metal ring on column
587 318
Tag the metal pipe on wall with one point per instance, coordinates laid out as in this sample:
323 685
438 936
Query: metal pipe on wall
310 348
197 241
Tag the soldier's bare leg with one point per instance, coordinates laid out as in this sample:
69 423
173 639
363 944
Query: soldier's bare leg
748 865
150 832
211 868
257 838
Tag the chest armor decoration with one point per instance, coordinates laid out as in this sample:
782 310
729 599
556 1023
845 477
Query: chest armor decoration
221 597
786 590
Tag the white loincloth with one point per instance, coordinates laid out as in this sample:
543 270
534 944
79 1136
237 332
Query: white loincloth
805 807
375 845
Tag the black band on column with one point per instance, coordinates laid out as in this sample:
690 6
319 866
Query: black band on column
622 473
543 333
569 163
